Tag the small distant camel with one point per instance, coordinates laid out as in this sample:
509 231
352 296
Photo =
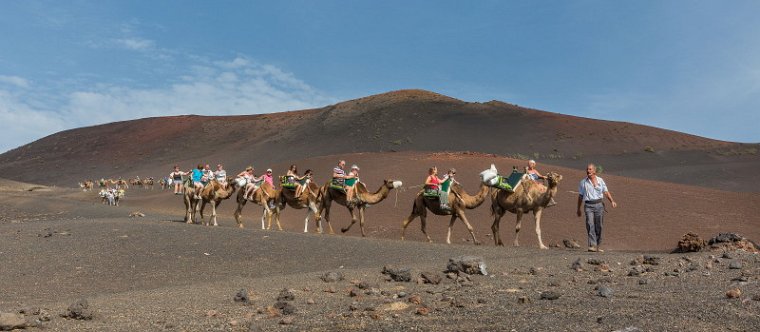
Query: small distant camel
528 196
365 198
459 201
86 185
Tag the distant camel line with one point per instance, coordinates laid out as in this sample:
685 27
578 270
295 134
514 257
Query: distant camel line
528 196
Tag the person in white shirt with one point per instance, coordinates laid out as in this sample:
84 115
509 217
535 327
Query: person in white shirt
220 174
592 191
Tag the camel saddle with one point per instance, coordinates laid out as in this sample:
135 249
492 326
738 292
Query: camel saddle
428 192
509 183
285 183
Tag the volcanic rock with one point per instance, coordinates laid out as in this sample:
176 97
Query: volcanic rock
399 275
10 321
467 264
690 242
79 310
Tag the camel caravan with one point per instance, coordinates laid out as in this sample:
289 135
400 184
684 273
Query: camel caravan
518 193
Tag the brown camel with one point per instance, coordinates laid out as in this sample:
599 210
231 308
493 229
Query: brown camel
309 198
528 196
330 195
459 201
264 195
215 192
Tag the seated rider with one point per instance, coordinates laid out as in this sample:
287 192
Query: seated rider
303 182
350 182
197 177
535 176
292 178
432 182
208 174
250 181
220 175
339 175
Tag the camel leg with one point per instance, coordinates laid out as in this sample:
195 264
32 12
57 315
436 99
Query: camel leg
423 221
469 228
213 211
327 217
517 227
451 224
263 218
313 209
238 213
353 221
361 220
406 222
495 228
537 215
203 207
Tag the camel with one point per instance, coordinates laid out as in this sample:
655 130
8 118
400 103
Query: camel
459 201
264 195
214 193
330 195
192 204
528 196
86 185
309 198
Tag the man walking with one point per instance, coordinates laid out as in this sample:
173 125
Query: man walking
592 191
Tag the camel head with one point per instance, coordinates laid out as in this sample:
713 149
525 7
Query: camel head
553 178
391 184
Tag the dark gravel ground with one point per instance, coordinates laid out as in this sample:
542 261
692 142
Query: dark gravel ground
157 274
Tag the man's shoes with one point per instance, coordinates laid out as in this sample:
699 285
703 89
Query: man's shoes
552 202
592 249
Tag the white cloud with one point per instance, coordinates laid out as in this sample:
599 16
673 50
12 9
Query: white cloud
14 80
240 86
135 43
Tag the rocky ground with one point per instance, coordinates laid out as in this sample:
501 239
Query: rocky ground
69 266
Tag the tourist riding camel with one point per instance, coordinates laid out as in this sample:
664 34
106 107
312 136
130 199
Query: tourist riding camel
528 196
298 192
220 174
262 193
458 202
176 177
335 191
250 181
433 183
535 176
197 177
214 193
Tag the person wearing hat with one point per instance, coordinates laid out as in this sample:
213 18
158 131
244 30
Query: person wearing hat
350 182
268 177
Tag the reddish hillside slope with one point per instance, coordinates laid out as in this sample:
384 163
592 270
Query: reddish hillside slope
409 120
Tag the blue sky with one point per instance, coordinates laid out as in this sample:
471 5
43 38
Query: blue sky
691 66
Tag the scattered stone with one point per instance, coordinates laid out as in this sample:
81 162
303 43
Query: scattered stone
353 292
451 275
725 238
690 242
733 293
651 260
467 264
354 306
604 291
330 290
482 301
242 296
372 292
709 265
430 278
756 297
401 295
595 261
363 285
604 267
423 311
636 271
571 244
643 281
285 307
399 275
535 270
287 320
577 265
415 299
394 306
286 295
310 301
554 283
79 310
524 300
727 255
29 311
672 273
10 321
234 323
385 293
735 265
211 313
550 295
136 214
332 277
